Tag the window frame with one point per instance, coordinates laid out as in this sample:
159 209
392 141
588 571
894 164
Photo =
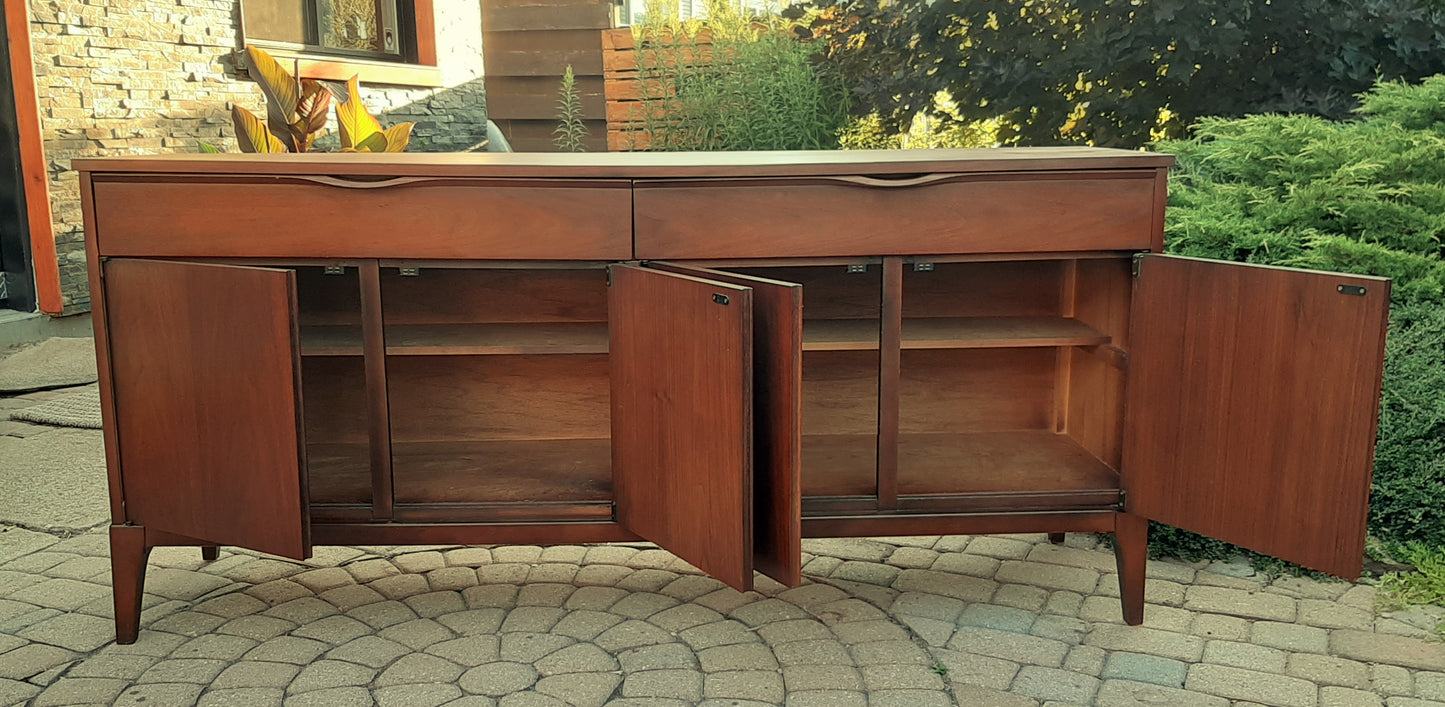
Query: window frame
415 66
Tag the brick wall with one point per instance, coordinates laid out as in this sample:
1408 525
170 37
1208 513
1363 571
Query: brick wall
121 77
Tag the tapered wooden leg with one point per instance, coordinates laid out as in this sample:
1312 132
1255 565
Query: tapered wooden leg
1056 538
209 553
1131 552
128 553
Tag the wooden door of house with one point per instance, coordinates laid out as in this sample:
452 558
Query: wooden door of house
17 283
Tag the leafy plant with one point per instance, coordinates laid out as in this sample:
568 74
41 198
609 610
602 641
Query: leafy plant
1426 585
738 81
570 132
1122 72
360 132
926 131
296 112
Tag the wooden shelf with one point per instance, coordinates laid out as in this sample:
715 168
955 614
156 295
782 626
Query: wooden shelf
840 465
998 462
998 332
989 462
462 339
591 337
338 473
497 471
953 333
330 340
502 471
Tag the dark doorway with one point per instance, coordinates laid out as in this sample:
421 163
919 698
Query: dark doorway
17 277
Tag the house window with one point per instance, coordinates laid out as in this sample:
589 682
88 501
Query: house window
364 29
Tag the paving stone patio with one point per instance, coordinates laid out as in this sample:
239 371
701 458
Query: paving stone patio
919 621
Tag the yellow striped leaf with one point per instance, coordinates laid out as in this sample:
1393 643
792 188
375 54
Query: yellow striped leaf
375 143
356 123
251 133
281 89
397 136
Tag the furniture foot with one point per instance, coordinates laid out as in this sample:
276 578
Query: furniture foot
1056 538
209 553
128 553
1131 552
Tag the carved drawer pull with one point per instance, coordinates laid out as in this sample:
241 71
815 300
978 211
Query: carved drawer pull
885 182
365 184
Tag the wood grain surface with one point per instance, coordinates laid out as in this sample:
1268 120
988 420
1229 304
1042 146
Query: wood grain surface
818 217
974 390
206 378
777 420
890 386
378 409
960 463
682 417
467 294
1015 288
1253 398
458 398
128 553
439 219
637 165
1095 384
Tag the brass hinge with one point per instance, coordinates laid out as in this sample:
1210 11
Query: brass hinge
409 272
1123 498
1138 259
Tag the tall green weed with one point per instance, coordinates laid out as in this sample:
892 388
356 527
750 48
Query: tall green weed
754 87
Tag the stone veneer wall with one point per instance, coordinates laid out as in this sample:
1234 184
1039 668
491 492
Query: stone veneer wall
124 77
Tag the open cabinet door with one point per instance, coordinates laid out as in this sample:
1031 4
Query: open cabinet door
777 420
682 419
1253 397
205 372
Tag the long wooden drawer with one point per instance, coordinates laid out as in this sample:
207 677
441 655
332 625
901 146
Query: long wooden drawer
918 215
325 217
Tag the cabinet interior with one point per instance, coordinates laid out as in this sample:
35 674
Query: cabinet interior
1010 395
497 384
1009 388
333 386
841 317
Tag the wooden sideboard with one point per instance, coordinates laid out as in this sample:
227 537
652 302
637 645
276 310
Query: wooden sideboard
721 353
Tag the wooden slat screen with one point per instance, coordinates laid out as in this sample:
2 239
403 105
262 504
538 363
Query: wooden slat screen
526 46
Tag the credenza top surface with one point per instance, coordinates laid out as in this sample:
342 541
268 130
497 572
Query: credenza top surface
636 165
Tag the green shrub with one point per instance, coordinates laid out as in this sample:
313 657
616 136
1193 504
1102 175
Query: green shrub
1413 106
755 88
1410 455
1364 196
1425 586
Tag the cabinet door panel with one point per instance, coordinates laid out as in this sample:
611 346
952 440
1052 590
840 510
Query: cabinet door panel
205 372
682 423
777 418
1253 397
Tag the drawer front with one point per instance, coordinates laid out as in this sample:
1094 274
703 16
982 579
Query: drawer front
934 214
323 217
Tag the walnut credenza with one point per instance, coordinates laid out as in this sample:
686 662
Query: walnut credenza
721 353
